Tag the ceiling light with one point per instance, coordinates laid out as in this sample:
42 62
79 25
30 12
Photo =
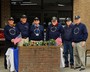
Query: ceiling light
26 2
16 0
29 4
14 3
61 5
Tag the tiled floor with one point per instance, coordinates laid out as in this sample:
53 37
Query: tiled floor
62 69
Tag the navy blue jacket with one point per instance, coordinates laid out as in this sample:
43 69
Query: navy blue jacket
53 32
67 34
36 33
10 32
23 28
80 33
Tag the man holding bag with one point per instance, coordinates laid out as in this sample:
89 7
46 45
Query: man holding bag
10 33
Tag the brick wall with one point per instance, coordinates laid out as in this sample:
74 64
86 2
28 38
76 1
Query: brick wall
39 59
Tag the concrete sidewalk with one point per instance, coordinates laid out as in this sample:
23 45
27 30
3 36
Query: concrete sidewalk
2 65
72 70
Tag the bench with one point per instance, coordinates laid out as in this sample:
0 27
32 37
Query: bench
87 54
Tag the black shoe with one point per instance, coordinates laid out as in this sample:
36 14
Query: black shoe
72 66
82 69
66 66
5 67
77 67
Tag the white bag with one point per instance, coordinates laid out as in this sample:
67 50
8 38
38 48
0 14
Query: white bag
62 64
10 59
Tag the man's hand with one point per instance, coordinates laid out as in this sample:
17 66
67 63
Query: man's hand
73 44
83 44
12 40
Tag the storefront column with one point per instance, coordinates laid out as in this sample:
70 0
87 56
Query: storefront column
5 11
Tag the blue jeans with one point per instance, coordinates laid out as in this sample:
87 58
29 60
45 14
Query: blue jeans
68 50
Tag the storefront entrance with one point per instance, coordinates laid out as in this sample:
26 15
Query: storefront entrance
44 9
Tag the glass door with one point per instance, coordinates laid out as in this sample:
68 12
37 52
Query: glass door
48 16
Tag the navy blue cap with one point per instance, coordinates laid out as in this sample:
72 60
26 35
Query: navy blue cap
68 19
77 17
11 18
23 16
36 18
54 18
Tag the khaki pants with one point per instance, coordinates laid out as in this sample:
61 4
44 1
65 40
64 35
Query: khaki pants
79 55
23 41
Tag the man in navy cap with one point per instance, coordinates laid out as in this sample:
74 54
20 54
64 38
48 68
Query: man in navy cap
67 41
54 30
36 30
80 36
23 27
10 33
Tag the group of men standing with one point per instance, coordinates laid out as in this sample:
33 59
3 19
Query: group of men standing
74 36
